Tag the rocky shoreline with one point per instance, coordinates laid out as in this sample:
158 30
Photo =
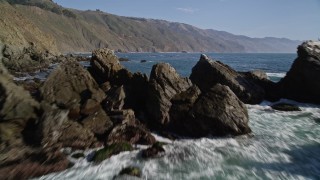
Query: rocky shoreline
108 106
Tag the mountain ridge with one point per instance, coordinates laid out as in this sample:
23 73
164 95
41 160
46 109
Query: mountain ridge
71 30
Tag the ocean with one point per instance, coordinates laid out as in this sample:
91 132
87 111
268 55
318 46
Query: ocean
284 145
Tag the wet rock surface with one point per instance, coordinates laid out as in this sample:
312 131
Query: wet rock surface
104 65
217 112
154 151
129 129
302 82
216 72
285 107
164 84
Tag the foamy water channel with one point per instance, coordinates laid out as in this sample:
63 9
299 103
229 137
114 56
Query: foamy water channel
284 145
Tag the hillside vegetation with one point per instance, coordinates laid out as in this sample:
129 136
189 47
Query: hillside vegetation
67 30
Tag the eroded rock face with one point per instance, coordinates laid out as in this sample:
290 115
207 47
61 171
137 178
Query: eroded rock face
207 73
99 122
21 152
302 82
164 84
104 65
216 112
17 111
26 59
128 129
58 131
260 78
71 87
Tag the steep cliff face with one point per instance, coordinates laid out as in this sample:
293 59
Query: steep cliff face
53 26
18 30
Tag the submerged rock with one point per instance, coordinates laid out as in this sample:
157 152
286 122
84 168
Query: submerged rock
78 155
164 84
285 107
207 73
154 151
110 150
302 82
131 171
217 112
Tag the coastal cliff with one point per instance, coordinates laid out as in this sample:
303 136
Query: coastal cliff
67 30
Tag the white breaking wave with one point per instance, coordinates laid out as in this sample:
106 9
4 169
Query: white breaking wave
280 75
285 145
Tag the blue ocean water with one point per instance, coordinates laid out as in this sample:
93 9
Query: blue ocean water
284 145
276 65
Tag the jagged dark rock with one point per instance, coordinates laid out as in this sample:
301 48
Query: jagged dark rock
164 84
302 82
154 151
104 65
124 59
182 103
216 112
98 122
58 130
260 78
71 87
285 107
22 152
115 99
18 113
110 150
129 129
216 72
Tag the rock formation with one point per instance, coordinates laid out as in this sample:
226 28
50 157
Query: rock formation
71 87
128 129
216 72
21 152
27 59
302 82
260 78
104 65
216 112
164 84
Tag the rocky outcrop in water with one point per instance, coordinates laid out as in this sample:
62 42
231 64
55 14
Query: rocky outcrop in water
124 89
128 129
58 131
260 78
104 65
302 82
164 84
216 112
208 73
81 109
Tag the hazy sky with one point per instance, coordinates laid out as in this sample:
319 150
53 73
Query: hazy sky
294 19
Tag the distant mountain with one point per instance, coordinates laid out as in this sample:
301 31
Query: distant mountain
67 30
